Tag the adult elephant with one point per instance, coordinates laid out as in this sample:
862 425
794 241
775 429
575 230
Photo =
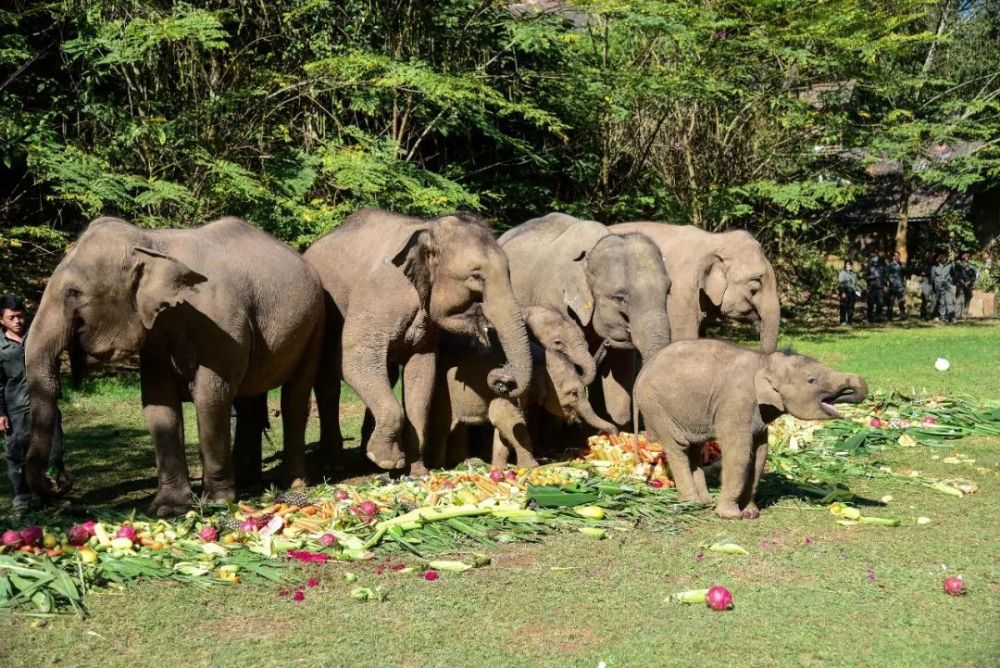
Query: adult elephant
721 274
218 313
392 282
615 286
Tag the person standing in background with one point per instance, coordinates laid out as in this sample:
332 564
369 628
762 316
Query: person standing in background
895 287
874 287
944 288
847 291
928 303
15 407
965 279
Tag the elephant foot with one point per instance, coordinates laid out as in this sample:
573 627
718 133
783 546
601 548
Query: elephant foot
705 499
386 454
728 511
170 502
418 470
297 482
751 512
526 462
219 492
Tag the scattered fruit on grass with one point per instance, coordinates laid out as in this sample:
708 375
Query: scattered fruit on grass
350 577
368 508
691 596
728 548
719 598
121 543
32 535
593 532
941 364
208 533
875 423
87 555
230 539
656 484
12 538
431 575
126 531
954 586
49 541
496 475
923 520
590 512
77 535
327 540
449 565
341 495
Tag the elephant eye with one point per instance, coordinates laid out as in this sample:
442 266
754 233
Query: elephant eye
754 285
812 380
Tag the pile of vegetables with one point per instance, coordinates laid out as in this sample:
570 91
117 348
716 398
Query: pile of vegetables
620 482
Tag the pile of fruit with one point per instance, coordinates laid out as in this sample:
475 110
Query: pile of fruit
618 482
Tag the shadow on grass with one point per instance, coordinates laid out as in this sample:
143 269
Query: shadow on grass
774 488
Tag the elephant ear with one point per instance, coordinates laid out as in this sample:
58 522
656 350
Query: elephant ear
163 282
767 391
715 282
417 259
576 291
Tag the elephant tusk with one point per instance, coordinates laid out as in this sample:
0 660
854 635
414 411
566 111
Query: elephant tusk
601 351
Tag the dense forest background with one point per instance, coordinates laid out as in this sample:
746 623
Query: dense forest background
763 114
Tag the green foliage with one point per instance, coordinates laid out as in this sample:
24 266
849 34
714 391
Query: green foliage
294 113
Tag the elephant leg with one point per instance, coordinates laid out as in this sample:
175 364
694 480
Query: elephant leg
368 421
365 370
251 419
295 411
617 377
161 407
736 449
328 377
748 499
681 468
440 429
213 400
500 454
419 375
698 474
512 429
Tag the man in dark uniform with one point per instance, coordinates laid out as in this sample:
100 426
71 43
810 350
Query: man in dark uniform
928 303
15 408
965 278
895 287
874 287
944 288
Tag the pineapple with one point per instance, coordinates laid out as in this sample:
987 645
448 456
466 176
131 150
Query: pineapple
293 497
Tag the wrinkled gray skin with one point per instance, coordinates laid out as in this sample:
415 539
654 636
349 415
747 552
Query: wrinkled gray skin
462 397
724 274
615 286
219 313
392 283
694 391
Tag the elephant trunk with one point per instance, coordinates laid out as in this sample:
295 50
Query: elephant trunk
587 414
585 363
651 332
858 387
503 312
49 336
769 310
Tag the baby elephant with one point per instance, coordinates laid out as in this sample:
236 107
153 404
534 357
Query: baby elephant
693 391
563 368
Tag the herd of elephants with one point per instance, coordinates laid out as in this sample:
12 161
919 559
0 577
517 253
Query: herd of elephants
557 316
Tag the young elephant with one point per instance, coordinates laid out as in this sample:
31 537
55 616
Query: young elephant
462 396
693 391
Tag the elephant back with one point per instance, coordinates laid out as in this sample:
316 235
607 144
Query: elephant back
545 258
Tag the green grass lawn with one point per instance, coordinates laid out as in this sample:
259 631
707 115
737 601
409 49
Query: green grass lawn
804 596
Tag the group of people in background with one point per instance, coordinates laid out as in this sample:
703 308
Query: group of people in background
945 288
